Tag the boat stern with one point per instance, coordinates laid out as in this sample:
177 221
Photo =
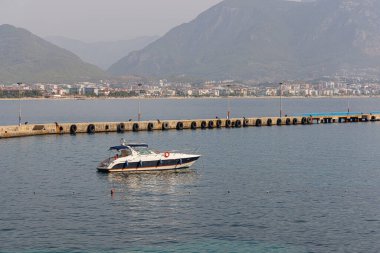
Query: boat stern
104 166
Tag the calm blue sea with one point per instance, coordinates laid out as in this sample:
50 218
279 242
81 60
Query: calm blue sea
272 189
48 111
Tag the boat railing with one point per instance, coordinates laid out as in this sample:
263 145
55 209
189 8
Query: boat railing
192 151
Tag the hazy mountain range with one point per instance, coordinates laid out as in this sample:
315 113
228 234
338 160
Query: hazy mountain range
102 54
25 57
266 40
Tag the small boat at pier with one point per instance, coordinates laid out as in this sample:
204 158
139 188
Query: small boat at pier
137 157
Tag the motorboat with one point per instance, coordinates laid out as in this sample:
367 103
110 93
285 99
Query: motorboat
137 157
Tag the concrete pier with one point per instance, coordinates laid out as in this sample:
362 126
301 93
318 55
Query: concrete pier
156 125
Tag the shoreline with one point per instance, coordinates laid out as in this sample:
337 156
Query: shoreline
183 98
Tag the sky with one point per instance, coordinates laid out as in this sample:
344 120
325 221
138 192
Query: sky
100 20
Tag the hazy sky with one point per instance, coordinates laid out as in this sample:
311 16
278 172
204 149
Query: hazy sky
100 20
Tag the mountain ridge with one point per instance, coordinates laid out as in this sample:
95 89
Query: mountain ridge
266 40
103 53
25 57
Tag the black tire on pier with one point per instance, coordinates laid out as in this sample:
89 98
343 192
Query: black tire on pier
218 123
165 126
179 125
279 122
193 125
121 128
150 126
238 123
73 129
211 124
269 122
295 121
287 122
228 123
135 127
91 129
259 122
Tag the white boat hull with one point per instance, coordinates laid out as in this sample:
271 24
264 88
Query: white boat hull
142 169
175 162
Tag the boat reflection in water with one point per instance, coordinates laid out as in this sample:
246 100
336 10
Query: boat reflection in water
163 182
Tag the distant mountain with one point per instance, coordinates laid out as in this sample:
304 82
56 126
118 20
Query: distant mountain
266 40
102 54
25 57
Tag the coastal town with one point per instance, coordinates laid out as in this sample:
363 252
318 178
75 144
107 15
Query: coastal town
165 88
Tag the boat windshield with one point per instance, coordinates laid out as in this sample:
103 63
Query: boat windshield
143 151
125 152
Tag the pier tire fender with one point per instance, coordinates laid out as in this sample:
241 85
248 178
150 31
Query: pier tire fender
295 121
218 123
279 122
73 129
211 124
259 122
309 120
287 121
245 123
193 125
228 123
166 154
121 128
150 126
179 125
91 129
269 122
203 124
135 127
165 126
373 118
238 123
303 120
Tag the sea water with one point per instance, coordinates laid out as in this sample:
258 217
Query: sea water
299 188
